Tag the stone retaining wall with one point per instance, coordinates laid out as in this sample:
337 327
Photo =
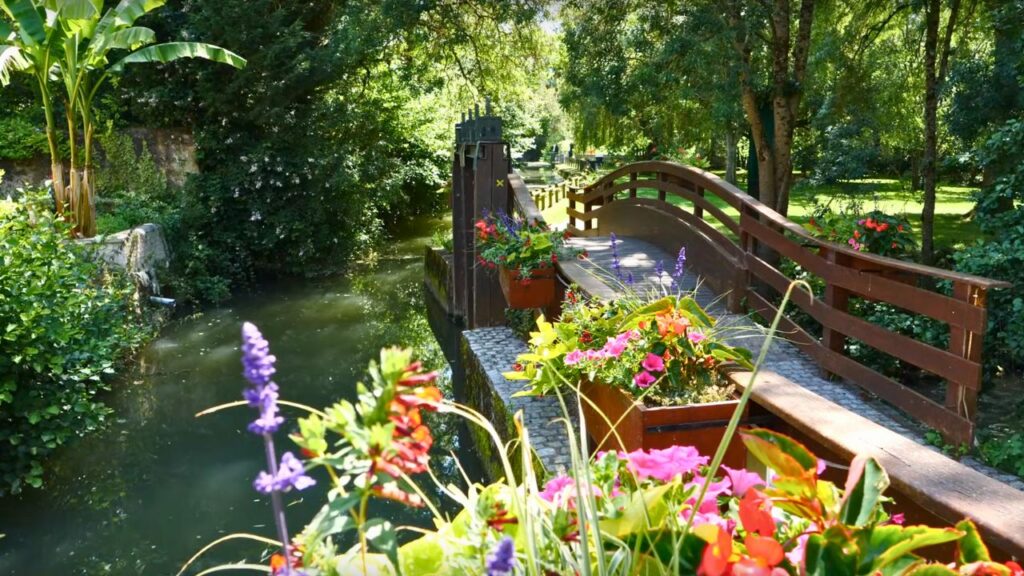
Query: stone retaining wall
484 354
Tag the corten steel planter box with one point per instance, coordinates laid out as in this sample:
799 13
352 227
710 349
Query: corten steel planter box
699 425
539 292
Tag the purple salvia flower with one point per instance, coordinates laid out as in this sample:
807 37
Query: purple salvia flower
291 474
503 559
659 269
680 264
616 265
629 279
258 368
258 365
510 224
257 360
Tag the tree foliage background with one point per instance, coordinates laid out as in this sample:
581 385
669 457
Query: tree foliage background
340 124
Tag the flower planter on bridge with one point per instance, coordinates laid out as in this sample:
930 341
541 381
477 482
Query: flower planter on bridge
643 427
535 291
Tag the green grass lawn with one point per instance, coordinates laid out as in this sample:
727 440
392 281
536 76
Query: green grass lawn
889 195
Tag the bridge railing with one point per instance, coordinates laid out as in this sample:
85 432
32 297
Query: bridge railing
735 241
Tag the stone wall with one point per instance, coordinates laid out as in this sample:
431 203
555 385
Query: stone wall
484 354
173 150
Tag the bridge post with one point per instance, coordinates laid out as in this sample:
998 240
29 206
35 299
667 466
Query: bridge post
962 397
480 171
839 299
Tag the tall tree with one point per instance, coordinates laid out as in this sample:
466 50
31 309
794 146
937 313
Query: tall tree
936 65
788 54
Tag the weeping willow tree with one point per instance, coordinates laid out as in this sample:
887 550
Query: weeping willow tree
81 46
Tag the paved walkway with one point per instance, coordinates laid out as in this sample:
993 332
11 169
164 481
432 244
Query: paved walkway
638 265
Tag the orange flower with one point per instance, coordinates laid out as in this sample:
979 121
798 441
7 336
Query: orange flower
715 561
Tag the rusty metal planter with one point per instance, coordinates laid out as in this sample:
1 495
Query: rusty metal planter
642 427
539 292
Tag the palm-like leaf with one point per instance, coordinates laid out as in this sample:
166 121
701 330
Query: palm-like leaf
171 51
76 9
125 14
31 25
11 59
124 39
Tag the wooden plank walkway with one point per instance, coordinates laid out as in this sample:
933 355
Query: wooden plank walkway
838 416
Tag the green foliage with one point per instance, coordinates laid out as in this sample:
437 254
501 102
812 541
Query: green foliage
20 138
65 324
1005 452
135 190
1001 254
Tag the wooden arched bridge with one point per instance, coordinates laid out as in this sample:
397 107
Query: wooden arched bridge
736 246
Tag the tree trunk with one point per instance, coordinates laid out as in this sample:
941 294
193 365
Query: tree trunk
731 153
931 106
936 65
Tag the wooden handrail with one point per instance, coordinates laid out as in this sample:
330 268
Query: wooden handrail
738 199
846 273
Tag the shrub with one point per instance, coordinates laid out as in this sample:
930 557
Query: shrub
64 325
20 138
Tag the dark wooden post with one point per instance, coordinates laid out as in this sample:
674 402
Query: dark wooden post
462 225
962 397
698 210
839 299
632 185
479 186
662 195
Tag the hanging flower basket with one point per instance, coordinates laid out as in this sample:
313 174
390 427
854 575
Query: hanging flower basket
641 427
535 291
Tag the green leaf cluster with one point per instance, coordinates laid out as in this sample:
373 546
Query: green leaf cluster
65 326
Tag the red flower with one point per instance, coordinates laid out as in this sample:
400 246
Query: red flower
899 227
755 513
500 517
856 234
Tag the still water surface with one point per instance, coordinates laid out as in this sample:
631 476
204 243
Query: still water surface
147 493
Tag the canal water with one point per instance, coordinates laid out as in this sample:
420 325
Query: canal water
158 484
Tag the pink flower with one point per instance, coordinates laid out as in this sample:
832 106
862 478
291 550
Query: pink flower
643 379
573 358
595 354
561 491
556 486
700 519
653 363
664 465
715 489
696 337
897 519
742 480
796 555
615 347
822 465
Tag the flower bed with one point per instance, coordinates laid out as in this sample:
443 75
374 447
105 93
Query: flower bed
670 511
